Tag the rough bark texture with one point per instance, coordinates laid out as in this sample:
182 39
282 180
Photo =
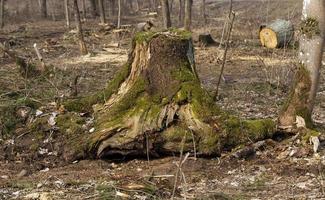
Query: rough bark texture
166 14
188 14
277 34
82 45
156 105
302 96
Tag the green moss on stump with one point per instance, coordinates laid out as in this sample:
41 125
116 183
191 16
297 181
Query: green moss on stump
167 82
85 103
310 27
297 102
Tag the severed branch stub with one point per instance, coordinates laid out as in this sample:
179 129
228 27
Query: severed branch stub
39 56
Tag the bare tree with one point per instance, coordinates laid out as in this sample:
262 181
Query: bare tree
302 96
203 14
101 11
2 5
93 8
137 6
43 8
83 10
166 13
67 12
181 12
82 45
119 14
188 14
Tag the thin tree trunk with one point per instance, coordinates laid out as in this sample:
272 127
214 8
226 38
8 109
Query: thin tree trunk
2 13
101 11
188 14
302 96
82 45
203 14
137 6
171 3
44 8
113 7
93 8
67 12
181 13
166 14
84 10
119 14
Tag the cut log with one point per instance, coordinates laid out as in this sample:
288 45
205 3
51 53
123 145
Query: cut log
156 106
277 34
205 39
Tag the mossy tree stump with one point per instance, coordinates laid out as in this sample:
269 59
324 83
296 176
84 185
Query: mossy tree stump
156 105
306 82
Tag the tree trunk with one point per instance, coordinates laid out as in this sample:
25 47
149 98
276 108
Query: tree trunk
188 14
137 6
67 12
119 14
82 45
93 8
203 14
166 14
156 105
113 7
171 6
44 8
277 34
181 9
101 11
2 13
84 14
302 96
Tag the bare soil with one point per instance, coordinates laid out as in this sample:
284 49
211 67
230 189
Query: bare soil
256 83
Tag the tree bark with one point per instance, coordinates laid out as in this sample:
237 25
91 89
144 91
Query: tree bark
44 8
181 9
82 45
93 8
203 14
137 6
188 14
67 13
84 14
302 96
166 14
156 105
101 11
2 5
119 14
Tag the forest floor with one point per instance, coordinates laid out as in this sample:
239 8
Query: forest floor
257 81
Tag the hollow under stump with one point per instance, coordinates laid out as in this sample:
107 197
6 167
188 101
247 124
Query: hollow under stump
155 105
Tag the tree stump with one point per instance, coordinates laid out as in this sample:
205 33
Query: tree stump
277 34
156 106
205 39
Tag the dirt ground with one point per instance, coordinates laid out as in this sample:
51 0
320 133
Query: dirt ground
257 82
